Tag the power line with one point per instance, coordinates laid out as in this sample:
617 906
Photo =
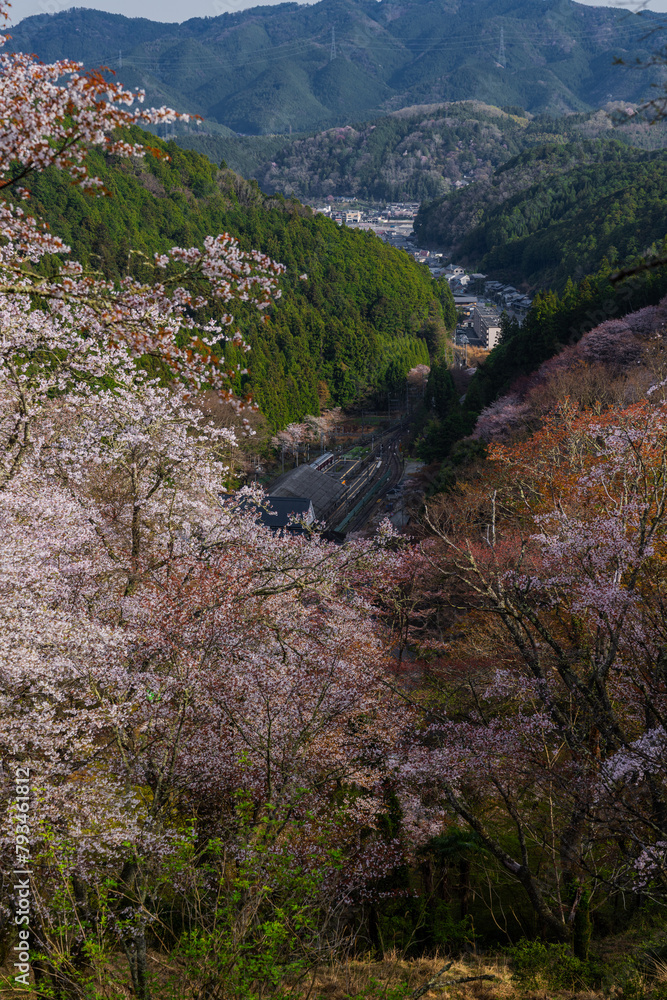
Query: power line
418 47
415 48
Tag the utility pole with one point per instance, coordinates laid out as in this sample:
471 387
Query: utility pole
333 45
120 58
502 59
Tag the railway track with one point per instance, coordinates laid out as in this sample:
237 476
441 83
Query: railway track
382 474
394 474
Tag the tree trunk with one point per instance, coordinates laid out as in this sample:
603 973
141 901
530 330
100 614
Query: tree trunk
464 886
582 928
135 952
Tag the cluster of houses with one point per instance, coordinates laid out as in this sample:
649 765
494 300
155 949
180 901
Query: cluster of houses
460 281
433 261
513 301
381 221
480 320
397 237
343 218
402 209
478 300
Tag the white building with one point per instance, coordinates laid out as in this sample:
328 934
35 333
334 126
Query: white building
486 324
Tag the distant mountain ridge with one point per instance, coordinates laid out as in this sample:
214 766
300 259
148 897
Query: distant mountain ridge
292 68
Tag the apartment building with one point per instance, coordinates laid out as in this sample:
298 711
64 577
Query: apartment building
486 324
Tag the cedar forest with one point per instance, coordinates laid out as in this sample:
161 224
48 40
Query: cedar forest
241 764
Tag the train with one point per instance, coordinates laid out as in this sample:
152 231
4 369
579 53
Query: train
323 462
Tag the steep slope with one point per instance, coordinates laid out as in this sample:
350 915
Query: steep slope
269 69
615 362
334 335
555 212
555 324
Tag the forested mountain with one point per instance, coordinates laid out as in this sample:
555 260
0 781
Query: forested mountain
414 154
564 226
554 212
335 333
273 70
242 764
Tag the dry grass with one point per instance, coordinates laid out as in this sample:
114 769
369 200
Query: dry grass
477 356
363 978
660 972
378 978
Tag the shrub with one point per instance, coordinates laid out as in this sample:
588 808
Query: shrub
553 966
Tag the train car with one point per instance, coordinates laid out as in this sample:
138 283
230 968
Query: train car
323 462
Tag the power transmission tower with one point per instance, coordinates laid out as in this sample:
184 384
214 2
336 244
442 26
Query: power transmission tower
502 58
120 59
333 44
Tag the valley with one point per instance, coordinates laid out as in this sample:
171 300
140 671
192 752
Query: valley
333 505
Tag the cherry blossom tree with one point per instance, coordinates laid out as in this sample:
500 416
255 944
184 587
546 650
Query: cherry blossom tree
221 683
173 661
290 439
321 427
186 677
69 318
172 675
565 730
312 429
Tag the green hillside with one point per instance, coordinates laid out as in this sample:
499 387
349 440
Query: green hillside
555 322
363 308
410 155
565 226
555 212
270 69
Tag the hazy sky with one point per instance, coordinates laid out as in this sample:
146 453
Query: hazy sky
181 10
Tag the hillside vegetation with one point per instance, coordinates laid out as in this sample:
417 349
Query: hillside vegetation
334 335
554 212
270 69
415 154
247 764
555 322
